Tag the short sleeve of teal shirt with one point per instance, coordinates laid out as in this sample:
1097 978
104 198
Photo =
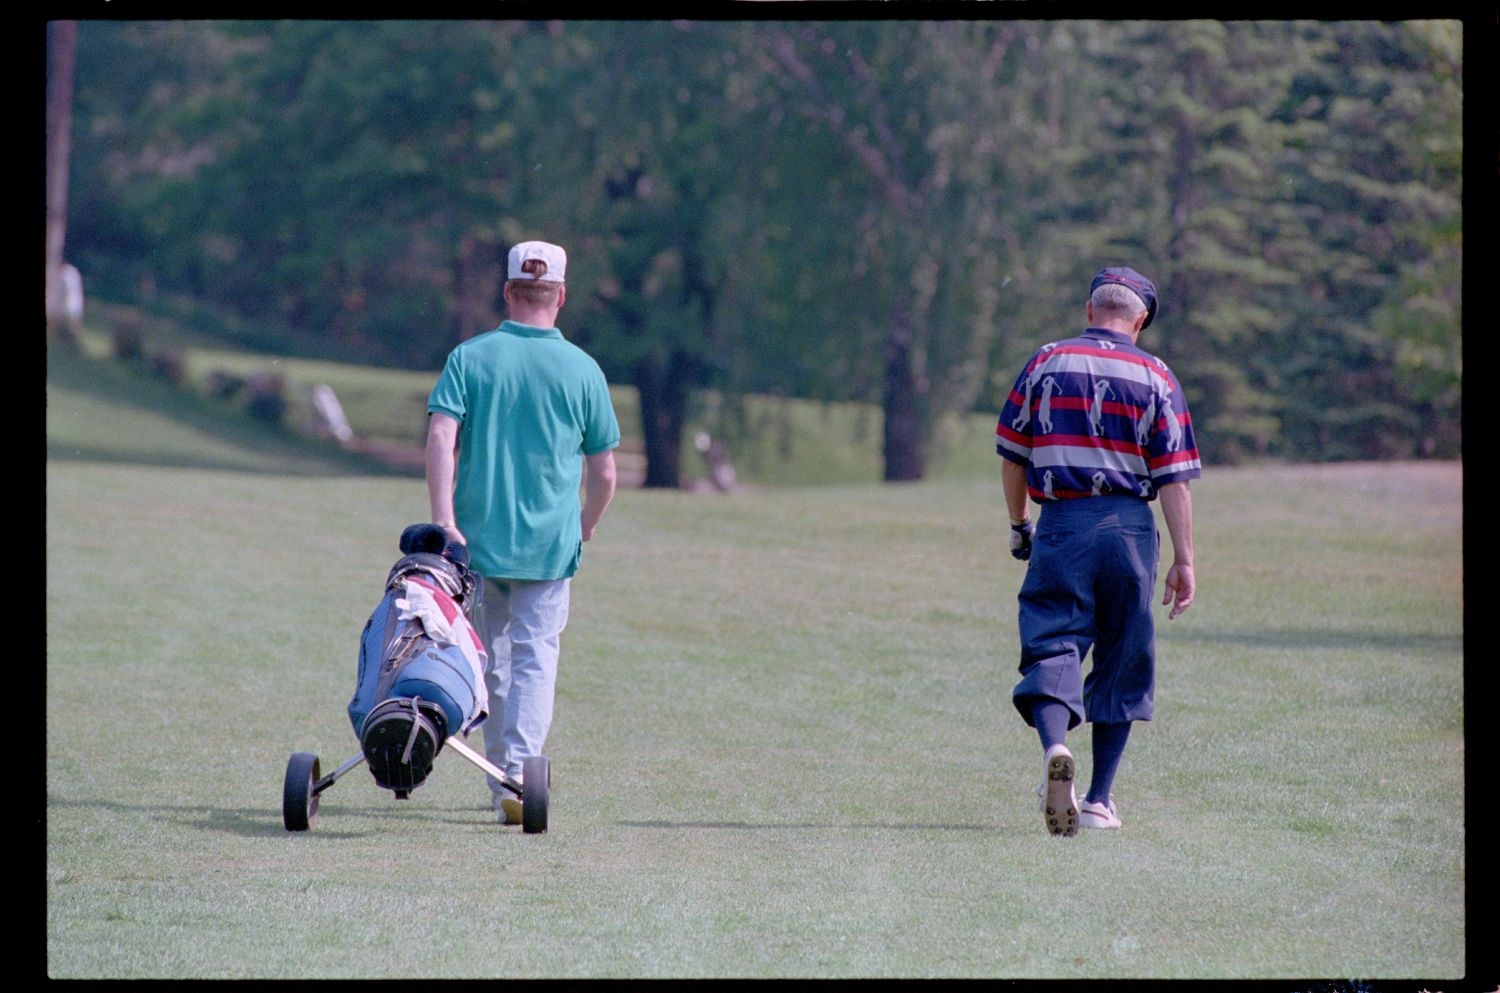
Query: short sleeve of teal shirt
530 405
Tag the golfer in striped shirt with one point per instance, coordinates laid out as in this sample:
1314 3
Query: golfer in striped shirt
1094 430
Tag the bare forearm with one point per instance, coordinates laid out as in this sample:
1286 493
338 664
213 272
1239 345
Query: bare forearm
599 480
1177 508
442 462
1181 583
1013 478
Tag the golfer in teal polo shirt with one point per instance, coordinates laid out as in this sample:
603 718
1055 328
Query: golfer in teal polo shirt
519 422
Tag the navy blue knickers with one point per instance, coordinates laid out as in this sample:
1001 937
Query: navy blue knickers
1089 584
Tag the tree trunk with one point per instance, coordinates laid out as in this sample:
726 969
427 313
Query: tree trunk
62 38
477 295
664 393
904 449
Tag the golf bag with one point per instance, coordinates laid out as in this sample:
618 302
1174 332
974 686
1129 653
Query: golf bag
421 664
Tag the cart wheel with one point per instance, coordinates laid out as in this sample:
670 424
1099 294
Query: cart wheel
299 804
536 793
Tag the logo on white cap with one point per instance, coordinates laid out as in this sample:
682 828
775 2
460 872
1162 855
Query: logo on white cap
548 262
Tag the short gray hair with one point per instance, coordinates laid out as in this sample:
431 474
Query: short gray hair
1118 299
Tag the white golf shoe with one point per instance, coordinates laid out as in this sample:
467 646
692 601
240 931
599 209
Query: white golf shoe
1059 804
1099 815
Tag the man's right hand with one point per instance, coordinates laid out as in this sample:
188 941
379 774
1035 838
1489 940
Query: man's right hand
1020 539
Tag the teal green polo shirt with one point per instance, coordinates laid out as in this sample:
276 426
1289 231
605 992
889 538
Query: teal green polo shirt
530 405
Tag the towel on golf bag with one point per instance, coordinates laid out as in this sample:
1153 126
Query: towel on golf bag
421 669
445 624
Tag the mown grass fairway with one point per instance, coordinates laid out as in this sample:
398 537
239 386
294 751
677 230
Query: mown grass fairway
784 743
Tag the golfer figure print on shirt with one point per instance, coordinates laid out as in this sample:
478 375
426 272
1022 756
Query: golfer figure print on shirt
1047 484
1044 409
1174 430
1143 424
1023 416
1102 389
1101 486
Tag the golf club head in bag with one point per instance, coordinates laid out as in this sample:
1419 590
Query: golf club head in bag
423 538
428 546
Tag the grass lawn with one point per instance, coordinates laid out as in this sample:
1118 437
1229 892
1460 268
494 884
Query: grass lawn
784 745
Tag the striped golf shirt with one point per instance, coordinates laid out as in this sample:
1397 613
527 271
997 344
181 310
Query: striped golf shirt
1095 415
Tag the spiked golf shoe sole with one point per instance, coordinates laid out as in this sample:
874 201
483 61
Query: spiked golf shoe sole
1059 804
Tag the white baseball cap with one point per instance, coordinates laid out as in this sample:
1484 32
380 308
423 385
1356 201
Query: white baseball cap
554 261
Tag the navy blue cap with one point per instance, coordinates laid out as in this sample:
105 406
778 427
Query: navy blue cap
1142 286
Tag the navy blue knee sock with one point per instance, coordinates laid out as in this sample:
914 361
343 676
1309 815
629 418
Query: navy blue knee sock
1051 721
1109 745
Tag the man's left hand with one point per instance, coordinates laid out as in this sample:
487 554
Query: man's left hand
1180 589
1020 539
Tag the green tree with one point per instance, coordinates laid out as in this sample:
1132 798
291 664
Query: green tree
369 172
912 106
894 211
1186 183
1371 363
655 167
355 181
1268 171
138 139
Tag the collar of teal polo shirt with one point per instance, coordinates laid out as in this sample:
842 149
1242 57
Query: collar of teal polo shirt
529 330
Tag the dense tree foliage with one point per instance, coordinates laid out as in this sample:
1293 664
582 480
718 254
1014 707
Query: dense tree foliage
913 109
891 211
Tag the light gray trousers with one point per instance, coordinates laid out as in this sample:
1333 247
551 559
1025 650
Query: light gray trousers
521 622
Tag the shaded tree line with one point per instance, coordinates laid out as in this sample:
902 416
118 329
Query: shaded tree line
887 211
